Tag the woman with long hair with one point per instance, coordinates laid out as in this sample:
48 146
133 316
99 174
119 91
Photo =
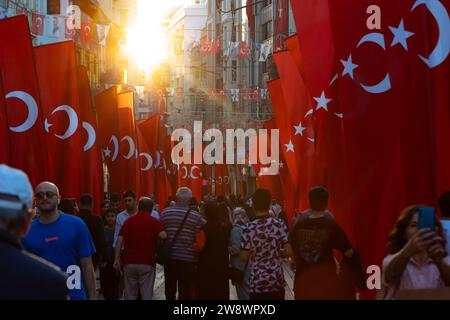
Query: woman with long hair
213 260
416 257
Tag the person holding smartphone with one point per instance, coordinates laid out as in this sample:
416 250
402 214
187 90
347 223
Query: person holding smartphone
416 253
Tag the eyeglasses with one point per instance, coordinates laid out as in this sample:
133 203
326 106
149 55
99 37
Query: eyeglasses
42 195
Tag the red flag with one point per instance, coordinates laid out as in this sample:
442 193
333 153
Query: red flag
86 33
312 18
21 109
37 25
148 131
281 24
286 137
215 46
108 135
388 81
69 32
128 156
300 115
205 46
272 182
251 17
57 73
92 168
293 45
244 51
163 184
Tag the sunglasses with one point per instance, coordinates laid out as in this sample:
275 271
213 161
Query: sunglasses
42 195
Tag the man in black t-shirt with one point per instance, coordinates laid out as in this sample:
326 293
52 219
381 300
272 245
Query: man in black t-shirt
313 240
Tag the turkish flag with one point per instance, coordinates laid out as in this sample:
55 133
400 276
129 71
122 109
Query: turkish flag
281 23
244 51
271 182
4 130
37 24
301 122
164 187
108 135
57 74
86 32
215 46
205 46
312 17
283 123
69 32
128 155
387 123
21 105
92 168
148 131
293 45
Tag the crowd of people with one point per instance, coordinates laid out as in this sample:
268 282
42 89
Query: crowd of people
53 248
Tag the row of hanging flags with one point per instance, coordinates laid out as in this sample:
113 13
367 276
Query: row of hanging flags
56 26
242 49
235 95
365 113
48 127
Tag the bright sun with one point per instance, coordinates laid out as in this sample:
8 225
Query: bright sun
147 41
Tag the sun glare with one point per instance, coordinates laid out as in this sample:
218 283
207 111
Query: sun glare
147 40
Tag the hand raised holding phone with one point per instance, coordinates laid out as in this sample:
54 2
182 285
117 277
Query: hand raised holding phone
420 241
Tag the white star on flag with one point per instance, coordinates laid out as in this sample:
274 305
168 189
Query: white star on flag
322 101
289 146
299 129
401 35
107 153
349 66
281 165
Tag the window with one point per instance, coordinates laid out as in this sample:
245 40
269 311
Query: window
53 6
234 70
267 31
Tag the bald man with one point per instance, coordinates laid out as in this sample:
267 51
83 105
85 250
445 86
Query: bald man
63 240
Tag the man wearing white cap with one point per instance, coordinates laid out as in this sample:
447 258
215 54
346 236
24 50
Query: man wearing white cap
22 275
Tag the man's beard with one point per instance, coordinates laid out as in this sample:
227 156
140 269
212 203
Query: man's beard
47 211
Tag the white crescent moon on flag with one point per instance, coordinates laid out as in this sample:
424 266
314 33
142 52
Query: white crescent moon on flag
38 21
219 180
442 49
149 161
132 147
158 159
115 142
32 110
226 180
192 172
184 176
385 84
91 136
73 121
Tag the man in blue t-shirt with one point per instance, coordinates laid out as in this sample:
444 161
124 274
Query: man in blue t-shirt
63 240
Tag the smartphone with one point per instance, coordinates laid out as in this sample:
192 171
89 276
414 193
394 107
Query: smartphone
427 218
